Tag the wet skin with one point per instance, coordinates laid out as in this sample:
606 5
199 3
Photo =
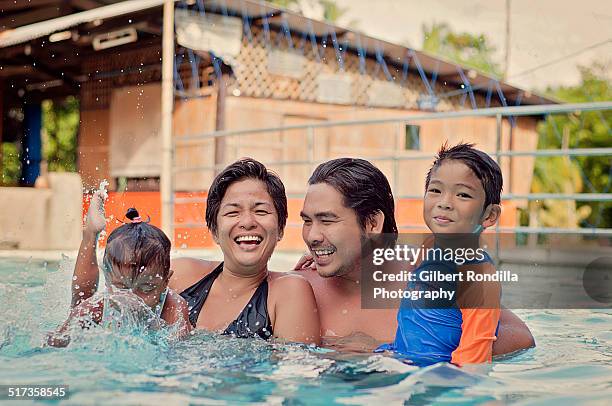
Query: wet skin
333 235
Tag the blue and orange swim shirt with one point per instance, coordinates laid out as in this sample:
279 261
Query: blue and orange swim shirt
428 333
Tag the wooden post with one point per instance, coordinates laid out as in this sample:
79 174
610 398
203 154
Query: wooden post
220 142
1 127
167 101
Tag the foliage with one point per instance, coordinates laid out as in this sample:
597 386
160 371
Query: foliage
331 11
580 174
11 164
60 121
463 48
285 3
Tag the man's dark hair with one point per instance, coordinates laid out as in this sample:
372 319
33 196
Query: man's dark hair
364 187
483 166
138 245
246 168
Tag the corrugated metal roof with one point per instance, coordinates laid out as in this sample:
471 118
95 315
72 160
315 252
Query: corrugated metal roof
276 17
37 30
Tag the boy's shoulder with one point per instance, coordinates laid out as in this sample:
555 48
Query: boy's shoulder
482 264
480 289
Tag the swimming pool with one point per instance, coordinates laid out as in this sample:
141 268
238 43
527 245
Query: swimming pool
571 364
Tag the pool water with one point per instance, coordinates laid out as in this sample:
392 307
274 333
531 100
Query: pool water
572 363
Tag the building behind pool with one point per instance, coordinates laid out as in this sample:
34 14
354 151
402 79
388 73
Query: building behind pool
240 64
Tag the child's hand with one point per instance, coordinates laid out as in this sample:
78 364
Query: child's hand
96 222
57 339
305 263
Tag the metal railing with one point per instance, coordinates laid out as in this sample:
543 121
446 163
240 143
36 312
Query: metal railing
395 159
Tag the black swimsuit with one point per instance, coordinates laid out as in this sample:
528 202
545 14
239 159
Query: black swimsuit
254 318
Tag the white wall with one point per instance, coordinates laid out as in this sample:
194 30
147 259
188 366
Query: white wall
42 218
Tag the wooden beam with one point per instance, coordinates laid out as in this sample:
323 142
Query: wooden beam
84 4
12 5
151 16
54 73
22 70
33 16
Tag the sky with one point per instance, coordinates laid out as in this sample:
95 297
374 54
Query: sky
541 31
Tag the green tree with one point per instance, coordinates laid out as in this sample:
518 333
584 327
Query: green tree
60 121
580 174
11 164
285 3
331 11
463 48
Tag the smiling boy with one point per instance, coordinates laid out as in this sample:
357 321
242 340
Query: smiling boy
462 198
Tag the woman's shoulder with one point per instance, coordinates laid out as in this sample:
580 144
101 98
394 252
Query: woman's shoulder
288 284
188 271
294 313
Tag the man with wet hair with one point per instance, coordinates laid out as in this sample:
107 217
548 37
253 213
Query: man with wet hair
348 203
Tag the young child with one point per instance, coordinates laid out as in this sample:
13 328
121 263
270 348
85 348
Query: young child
136 262
462 198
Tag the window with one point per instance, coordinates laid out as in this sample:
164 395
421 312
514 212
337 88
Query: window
144 184
413 137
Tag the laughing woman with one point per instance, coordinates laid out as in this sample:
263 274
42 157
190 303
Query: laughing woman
246 213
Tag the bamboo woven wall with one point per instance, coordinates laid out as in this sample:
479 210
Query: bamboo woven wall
253 78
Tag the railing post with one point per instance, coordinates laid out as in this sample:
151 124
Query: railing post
498 137
311 152
398 137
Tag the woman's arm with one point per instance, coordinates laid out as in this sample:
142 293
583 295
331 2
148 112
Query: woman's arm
296 317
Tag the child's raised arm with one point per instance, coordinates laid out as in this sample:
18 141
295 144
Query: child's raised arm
86 272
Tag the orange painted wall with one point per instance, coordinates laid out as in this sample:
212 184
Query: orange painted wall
193 233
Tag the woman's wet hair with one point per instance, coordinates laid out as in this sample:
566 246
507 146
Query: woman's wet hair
364 187
138 245
246 168
483 166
